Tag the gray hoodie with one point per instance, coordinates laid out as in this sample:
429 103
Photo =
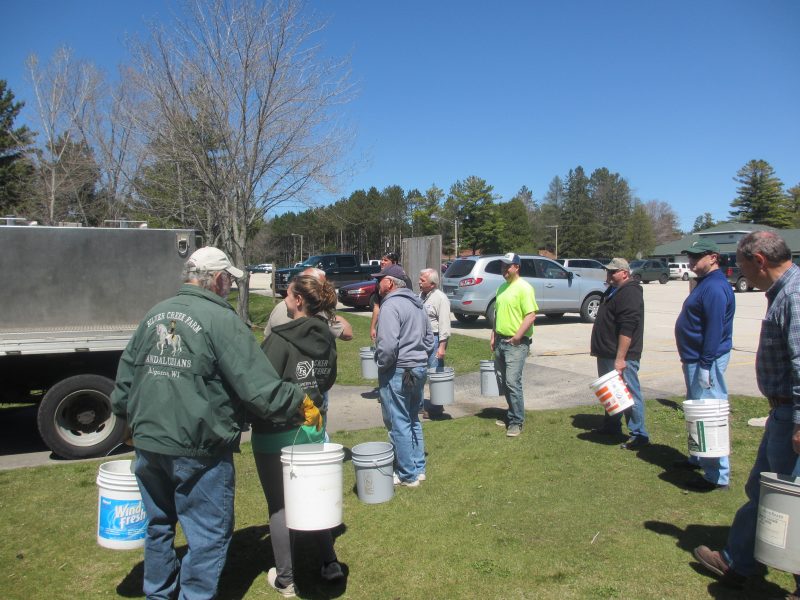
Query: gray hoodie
404 337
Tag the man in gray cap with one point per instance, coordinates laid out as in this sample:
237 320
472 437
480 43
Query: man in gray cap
514 314
704 336
403 341
617 342
183 383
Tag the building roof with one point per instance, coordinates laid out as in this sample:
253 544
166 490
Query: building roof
726 236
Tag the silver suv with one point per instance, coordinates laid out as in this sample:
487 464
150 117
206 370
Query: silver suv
471 284
585 267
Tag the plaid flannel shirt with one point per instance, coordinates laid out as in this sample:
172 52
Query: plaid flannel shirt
778 357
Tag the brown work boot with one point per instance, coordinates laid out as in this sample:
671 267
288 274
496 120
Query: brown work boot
714 562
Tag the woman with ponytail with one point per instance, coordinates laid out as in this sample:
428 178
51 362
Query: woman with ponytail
302 351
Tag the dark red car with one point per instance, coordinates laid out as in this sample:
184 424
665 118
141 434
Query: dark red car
363 294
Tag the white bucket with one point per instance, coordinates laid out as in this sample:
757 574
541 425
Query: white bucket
374 471
369 368
442 385
778 526
708 433
121 518
312 485
489 385
612 392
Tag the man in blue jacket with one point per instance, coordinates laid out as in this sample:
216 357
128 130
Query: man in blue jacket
704 336
403 341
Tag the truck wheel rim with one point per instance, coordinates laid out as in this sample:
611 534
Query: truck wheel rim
84 418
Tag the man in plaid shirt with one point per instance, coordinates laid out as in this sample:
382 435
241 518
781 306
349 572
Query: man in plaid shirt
766 262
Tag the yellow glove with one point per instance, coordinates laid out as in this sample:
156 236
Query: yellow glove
311 414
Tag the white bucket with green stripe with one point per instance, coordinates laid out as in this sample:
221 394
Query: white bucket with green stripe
707 428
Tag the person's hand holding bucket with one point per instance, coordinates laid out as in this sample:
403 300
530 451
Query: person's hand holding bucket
310 413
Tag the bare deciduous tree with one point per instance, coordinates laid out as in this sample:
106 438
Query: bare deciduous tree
107 127
64 88
238 94
664 220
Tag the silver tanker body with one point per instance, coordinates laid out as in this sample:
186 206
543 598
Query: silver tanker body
71 299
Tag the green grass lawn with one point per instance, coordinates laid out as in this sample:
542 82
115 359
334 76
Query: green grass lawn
463 352
555 513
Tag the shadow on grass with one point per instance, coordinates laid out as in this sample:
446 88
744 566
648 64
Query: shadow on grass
591 422
715 536
660 455
493 412
249 556
670 404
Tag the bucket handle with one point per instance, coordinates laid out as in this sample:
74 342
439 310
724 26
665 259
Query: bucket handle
291 456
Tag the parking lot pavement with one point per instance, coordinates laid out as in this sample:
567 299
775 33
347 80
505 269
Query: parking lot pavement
560 369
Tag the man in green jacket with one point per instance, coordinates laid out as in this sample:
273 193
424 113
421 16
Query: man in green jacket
183 383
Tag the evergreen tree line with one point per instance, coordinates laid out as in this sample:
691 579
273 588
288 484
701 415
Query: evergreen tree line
582 216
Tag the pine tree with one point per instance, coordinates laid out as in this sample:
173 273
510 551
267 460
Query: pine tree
472 201
794 204
579 228
16 171
640 239
704 221
550 214
517 233
761 198
612 200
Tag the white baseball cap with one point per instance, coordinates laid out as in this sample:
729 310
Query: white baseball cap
212 259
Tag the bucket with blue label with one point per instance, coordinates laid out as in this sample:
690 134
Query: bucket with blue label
121 518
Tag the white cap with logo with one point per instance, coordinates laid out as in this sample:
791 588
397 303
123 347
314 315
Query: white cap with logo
212 259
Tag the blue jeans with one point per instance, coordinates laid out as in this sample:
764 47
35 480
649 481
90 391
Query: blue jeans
509 361
434 363
716 470
775 455
400 405
199 492
634 416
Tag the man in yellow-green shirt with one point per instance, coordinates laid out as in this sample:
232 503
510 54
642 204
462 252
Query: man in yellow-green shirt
515 312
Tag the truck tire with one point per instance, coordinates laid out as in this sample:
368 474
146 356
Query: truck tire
663 279
685 277
75 418
462 318
589 308
741 285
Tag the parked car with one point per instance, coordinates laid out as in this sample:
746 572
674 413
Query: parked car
585 267
471 283
262 268
363 294
680 271
727 262
340 269
649 270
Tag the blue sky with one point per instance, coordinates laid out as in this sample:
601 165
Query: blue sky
675 96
